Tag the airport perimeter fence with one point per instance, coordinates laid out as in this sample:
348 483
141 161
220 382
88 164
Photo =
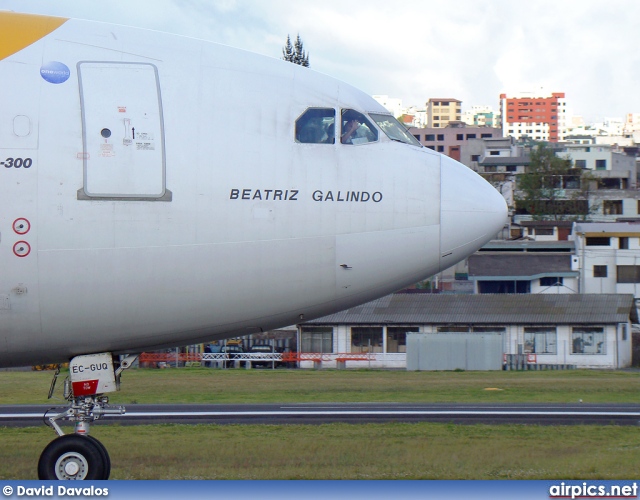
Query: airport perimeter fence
522 362
273 360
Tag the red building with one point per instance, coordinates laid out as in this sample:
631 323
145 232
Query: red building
542 118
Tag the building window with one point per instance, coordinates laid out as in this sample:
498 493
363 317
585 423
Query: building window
452 329
628 274
430 137
540 340
366 339
417 136
489 329
397 337
601 164
471 136
512 168
504 286
598 241
494 153
623 243
587 340
611 183
460 137
441 137
544 231
599 271
316 339
612 207
486 136
440 149
581 164
551 281
477 158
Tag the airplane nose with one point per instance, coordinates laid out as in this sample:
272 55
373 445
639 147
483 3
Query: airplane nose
472 212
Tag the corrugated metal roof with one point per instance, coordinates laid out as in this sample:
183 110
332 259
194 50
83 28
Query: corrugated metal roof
543 309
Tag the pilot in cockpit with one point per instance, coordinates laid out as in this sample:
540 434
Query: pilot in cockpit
350 124
356 128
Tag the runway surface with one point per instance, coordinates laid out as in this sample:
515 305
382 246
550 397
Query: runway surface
319 413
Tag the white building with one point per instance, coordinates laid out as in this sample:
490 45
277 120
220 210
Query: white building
586 331
610 131
419 116
632 123
393 104
524 266
608 257
600 157
481 116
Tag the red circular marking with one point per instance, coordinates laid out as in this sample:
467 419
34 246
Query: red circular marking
26 226
21 249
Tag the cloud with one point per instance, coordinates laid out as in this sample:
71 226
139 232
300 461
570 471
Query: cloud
418 49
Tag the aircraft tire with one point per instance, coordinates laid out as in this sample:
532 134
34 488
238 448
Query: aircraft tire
105 456
72 457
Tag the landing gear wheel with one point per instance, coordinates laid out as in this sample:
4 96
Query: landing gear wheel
105 457
73 457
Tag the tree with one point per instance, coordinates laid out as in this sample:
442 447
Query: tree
287 51
552 189
295 53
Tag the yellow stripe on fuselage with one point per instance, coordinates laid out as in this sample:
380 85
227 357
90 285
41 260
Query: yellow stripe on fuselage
18 31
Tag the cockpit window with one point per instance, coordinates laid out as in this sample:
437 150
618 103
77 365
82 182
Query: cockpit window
394 129
356 128
317 126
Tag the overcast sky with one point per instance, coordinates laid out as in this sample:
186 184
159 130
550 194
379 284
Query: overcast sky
417 49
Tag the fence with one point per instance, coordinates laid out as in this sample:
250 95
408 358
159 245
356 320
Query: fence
522 362
301 359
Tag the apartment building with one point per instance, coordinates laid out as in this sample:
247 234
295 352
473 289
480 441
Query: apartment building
451 139
481 116
442 111
608 257
537 115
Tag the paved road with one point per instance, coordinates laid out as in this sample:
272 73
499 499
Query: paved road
310 413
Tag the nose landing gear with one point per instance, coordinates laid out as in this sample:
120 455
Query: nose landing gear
74 457
80 456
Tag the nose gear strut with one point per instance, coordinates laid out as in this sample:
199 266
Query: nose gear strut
79 455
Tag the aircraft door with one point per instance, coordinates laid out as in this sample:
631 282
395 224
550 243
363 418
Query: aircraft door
122 131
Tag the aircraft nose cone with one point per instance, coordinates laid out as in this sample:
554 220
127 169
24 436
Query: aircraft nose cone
472 212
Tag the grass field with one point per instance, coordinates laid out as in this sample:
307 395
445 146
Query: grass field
201 385
346 451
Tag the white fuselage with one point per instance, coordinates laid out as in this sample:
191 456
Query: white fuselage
209 220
